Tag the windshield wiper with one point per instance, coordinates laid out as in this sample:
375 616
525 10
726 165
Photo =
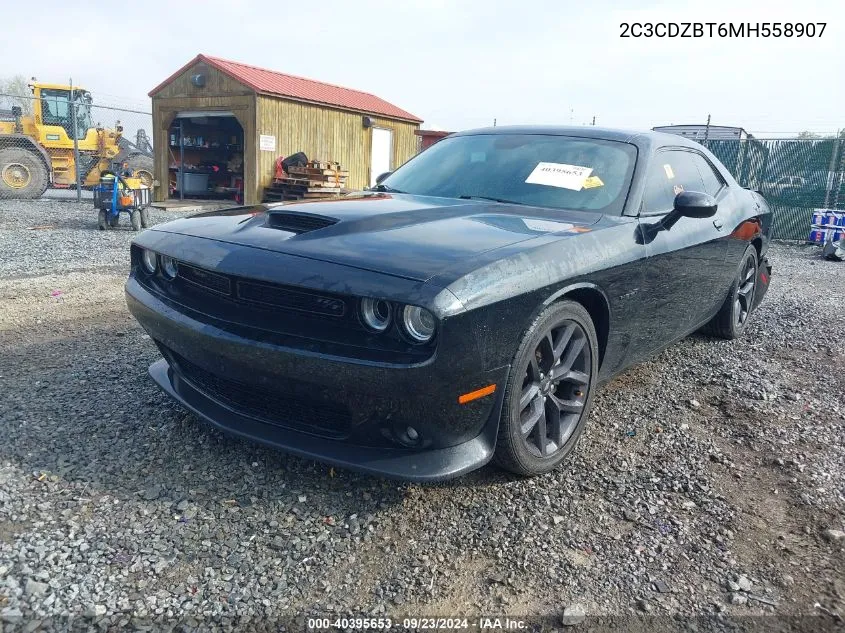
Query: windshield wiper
381 187
502 200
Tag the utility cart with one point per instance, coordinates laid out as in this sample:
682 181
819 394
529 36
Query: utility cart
118 194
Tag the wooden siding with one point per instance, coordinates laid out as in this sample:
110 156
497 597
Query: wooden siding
217 84
322 132
220 92
326 133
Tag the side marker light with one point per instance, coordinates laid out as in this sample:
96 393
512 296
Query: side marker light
475 395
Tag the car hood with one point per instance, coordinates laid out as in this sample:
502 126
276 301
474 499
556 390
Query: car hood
415 237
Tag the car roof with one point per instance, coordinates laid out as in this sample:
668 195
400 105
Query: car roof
644 139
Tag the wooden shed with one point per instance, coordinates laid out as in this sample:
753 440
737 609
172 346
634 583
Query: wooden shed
219 126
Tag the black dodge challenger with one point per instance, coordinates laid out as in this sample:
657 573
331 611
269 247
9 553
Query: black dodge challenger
466 309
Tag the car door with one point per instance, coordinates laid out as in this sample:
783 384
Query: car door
728 218
685 263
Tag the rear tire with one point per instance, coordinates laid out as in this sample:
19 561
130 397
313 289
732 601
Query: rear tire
145 218
102 221
135 219
731 320
141 167
22 174
549 390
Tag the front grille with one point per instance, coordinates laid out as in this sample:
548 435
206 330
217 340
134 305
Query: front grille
282 297
298 222
266 404
205 278
272 295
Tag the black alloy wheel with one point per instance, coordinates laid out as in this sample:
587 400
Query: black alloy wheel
731 320
744 300
554 388
549 393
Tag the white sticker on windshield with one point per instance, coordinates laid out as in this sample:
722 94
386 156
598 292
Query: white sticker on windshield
559 175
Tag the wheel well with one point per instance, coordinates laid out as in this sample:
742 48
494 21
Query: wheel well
594 302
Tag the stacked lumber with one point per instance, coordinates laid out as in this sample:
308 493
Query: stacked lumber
316 179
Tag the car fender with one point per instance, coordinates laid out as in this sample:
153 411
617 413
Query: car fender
562 293
558 294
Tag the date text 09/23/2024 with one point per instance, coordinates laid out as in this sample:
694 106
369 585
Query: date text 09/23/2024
484 623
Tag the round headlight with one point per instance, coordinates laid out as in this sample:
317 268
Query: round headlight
376 313
419 323
168 266
149 260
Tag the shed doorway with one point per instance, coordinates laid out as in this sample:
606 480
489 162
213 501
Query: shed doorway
380 153
206 157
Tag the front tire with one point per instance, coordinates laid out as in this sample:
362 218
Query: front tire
102 220
22 174
731 320
135 219
549 391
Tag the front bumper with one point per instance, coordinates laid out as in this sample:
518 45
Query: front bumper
361 410
425 465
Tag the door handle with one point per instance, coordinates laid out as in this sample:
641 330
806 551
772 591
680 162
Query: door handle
718 224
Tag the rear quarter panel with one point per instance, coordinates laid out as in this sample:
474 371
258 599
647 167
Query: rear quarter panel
750 222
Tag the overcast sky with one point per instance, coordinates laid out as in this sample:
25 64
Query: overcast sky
460 64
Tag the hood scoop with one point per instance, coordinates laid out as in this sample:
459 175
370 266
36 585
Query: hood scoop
298 222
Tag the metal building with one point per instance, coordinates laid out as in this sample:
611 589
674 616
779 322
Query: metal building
705 132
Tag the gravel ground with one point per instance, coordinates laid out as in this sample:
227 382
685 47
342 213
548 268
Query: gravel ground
710 480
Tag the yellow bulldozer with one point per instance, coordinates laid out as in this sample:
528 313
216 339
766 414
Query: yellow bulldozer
37 151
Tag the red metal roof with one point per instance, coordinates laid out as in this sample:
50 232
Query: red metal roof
276 83
432 133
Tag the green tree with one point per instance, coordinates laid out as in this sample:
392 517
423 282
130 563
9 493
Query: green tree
806 134
14 91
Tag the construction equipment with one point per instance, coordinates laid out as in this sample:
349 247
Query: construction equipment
38 151
116 194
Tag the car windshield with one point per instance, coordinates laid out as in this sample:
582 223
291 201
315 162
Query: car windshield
561 172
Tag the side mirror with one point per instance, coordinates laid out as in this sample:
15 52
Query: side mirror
694 204
381 177
688 204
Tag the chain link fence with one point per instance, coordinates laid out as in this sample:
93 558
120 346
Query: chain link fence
57 142
797 176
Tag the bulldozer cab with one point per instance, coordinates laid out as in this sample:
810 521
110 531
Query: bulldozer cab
53 104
